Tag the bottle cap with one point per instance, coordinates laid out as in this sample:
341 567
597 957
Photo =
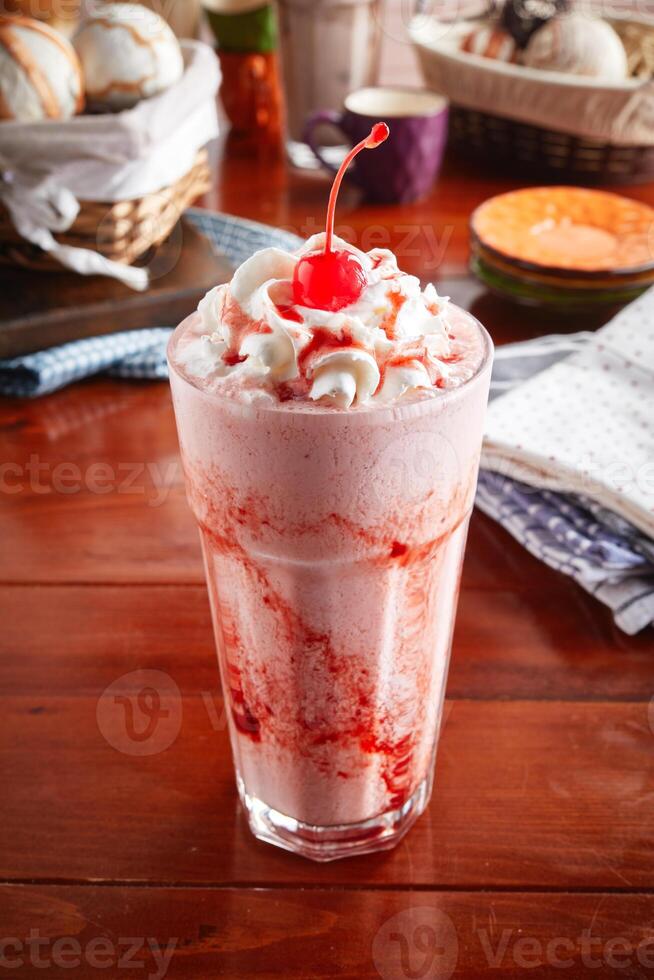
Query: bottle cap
246 31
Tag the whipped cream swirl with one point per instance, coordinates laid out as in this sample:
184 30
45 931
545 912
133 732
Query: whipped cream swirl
392 341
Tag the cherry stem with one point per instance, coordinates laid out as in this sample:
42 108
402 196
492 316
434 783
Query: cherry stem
377 135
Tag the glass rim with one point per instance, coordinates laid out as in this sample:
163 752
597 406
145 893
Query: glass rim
371 411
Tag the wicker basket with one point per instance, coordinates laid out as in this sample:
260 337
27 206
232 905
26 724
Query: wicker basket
510 146
95 192
120 230
539 124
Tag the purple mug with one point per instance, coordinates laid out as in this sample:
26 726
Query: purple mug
403 168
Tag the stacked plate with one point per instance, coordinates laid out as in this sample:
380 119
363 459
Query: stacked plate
565 248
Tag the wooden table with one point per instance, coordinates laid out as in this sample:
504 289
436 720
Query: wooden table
121 836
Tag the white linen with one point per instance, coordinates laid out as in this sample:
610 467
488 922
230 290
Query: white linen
586 425
620 113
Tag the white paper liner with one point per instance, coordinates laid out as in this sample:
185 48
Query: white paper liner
618 113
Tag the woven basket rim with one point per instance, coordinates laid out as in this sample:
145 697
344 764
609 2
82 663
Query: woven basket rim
123 239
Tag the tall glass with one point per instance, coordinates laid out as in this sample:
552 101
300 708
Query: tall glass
329 48
333 543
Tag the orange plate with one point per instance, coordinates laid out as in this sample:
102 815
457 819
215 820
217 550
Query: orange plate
568 229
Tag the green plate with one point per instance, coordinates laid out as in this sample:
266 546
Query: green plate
551 297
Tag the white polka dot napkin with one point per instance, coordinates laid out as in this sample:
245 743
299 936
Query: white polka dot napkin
586 425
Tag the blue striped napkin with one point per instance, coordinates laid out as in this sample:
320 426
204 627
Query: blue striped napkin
571 533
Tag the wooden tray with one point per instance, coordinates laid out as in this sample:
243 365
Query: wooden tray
44 309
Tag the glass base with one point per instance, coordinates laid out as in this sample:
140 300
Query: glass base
380 833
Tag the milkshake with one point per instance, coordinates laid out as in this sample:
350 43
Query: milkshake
330 441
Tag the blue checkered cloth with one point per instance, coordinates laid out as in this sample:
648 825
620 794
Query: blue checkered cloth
132 353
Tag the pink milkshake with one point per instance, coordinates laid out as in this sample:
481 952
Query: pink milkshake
331 460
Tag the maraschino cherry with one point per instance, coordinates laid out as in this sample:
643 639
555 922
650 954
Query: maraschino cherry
330 280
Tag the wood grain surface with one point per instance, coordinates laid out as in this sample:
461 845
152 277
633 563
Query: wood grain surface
357 934
536 854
